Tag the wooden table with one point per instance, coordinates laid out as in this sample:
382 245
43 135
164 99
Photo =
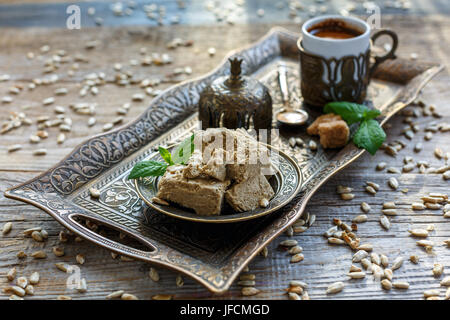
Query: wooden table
427 36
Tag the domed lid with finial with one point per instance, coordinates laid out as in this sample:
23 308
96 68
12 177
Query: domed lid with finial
235 101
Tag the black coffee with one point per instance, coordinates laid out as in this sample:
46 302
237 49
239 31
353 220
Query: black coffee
334 29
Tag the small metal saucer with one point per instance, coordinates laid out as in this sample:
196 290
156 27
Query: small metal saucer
292 117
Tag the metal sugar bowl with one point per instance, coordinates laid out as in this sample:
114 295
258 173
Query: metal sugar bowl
235 101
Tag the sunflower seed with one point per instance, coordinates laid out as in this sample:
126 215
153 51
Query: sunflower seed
377 272
293 296
37 236
342 189
393 183
389 205
365 247
374 185
438 269
433 206
17 290
63 297
354 268
249 276
375 258
298 283
34 278
359 255
384 260
40 152
297 258
115 294
300 229
295 250
366 264
400 284
7 227
347 196
95 193
446 281
14 147
356 275
370 190
393 170
388 274
385 223
246 283
39 254
381 166
22 282
288 243
431 293
389 212
417 206
249 291
425 243
11 274
386 284
419 232
335 288
397 263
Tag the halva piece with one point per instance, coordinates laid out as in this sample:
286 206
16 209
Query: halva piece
205 196
248 194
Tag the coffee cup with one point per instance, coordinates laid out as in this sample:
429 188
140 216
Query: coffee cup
335 58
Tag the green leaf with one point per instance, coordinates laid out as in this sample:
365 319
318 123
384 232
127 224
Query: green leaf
369 136
165 154
351 112
371 114
148 168
183 152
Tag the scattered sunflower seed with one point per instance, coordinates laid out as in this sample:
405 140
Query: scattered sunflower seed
385 223
356 275
39 254
297 258
393 183
365 207
400 284
397 263
386 284
335 287
7 227
419 232
34 278
438 269
115 294
11 275
249 291
347 196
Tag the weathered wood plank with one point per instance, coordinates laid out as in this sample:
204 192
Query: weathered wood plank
323 263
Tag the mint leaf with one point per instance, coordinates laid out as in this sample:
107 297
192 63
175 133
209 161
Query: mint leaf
369 136
350 112
371 114
183 152
148 168
165 154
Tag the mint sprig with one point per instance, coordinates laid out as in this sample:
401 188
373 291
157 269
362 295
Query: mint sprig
369 135
151 168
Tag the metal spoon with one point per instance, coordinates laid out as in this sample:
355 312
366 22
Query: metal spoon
288 115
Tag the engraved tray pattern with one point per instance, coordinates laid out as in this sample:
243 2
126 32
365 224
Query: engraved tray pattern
214 255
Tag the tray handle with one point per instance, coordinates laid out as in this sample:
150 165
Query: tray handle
117 247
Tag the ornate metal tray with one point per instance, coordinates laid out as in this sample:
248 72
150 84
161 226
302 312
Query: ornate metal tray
212 254
286 183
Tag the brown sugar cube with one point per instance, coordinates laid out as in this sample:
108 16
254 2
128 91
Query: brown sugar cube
313 129
333 134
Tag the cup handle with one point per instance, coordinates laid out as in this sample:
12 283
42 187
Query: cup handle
390 54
